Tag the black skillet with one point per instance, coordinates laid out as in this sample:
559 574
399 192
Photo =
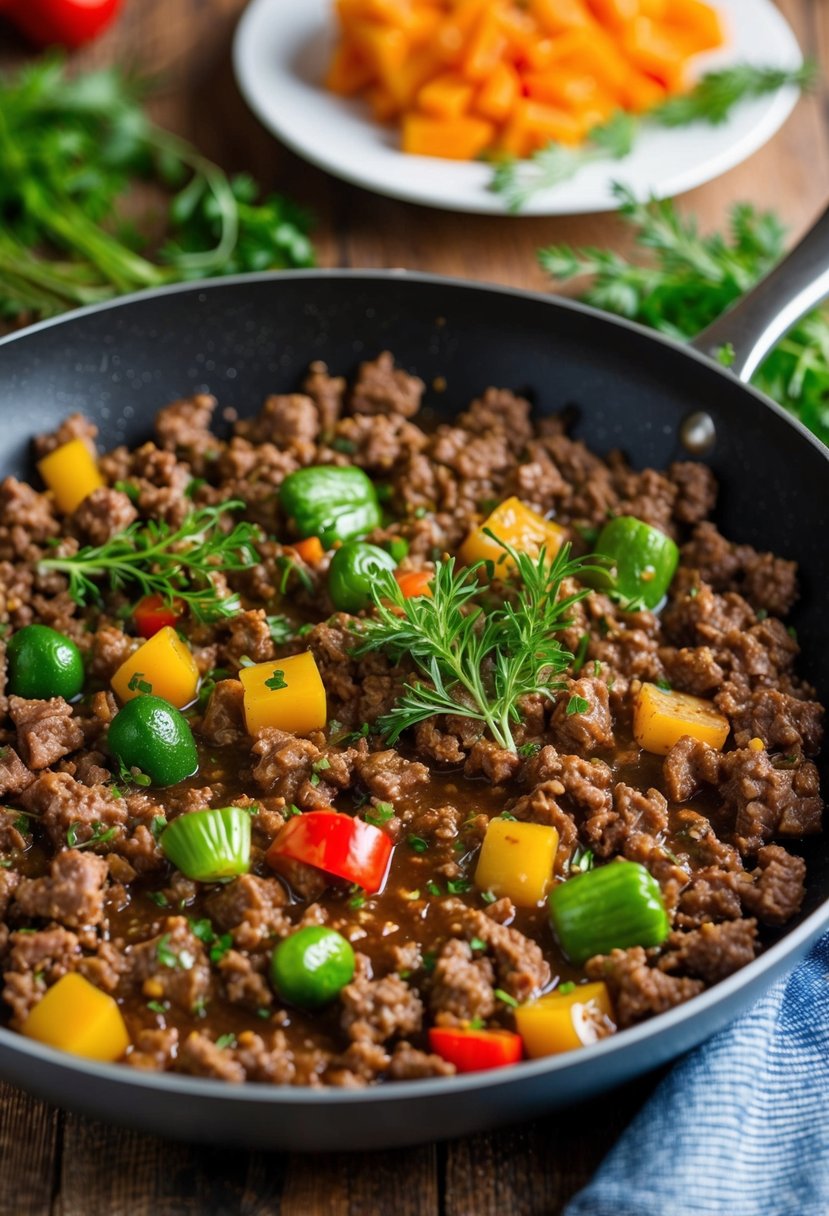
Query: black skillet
247 337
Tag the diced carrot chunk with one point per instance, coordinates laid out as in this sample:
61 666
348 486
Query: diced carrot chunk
446 96
499 93
455 139
614 14
348 73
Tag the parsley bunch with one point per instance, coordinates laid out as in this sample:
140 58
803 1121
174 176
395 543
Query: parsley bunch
176 563
687 280
711 101
476 663
69 148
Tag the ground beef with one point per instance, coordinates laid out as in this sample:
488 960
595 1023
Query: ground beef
692 669
63 803
462 985
153 1050
768 801
252 909
224 721
500 410
388 775
73 892
637 990
26 520
541 806
380 388
781 721
14 775
103 514
696 490
35 962
767 582
172 966
583 730
712 952
777 891
291 421
711 895
410 1064
249 637
488 759
184 427
376 1010
327 393
46 730
688 766
520 967
634 813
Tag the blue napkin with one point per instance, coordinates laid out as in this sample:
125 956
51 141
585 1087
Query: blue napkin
740 1127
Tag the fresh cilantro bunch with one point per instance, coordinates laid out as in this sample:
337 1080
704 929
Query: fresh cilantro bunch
687 280
69 148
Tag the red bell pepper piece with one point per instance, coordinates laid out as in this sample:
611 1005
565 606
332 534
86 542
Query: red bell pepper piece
476 1050
341 846
60 22
154 612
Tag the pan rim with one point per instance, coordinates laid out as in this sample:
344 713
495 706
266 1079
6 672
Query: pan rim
772 962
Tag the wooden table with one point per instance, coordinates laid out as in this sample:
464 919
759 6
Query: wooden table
64 1165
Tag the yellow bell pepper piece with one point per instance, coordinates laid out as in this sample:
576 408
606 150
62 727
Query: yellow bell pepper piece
660 718
71 474
163 666
285 693
565 1020
76 1016
519 526
517 860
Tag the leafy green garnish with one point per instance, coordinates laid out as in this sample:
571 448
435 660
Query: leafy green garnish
69 148
176 563
100 834
711 100
478 663
689 280
379 814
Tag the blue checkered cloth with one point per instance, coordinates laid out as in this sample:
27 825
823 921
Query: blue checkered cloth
740 1127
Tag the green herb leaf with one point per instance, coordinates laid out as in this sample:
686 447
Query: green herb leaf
380 814
277 680
505 998
577 705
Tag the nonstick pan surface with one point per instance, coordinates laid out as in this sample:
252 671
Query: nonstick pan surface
244 338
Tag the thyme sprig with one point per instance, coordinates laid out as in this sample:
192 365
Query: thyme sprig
710 101
475 663
176 563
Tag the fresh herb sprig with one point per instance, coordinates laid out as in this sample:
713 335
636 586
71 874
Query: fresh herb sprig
69 148
687 280
477 664
176 563
711 101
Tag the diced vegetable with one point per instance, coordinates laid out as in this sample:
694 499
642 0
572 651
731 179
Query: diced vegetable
565 1020
475 1050
310 550
312 966
163 666
517 860
644 560
343 847
286 693
209 845
77 1017
449 139
518 526
43 663
71 473
154 612
329 502
609 908
661 718
415 582
150 737
353 572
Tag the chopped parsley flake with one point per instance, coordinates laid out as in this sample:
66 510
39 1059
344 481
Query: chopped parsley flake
577 705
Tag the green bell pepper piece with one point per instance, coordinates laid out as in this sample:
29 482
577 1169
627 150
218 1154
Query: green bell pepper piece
614 907
644 561
353 572
330 502
312 966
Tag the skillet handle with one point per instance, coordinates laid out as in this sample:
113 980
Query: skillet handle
760 319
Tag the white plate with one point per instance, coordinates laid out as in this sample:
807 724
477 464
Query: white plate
282 48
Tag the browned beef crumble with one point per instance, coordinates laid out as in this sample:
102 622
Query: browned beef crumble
431 951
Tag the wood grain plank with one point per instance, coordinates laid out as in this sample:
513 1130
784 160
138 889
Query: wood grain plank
533 1169
113 1171
363 1184
29 1148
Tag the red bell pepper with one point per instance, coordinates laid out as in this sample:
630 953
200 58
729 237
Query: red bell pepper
60 22
337 844
476 1050
154 612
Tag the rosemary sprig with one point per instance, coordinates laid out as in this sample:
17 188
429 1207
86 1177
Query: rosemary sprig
475 663
711 101
159 560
